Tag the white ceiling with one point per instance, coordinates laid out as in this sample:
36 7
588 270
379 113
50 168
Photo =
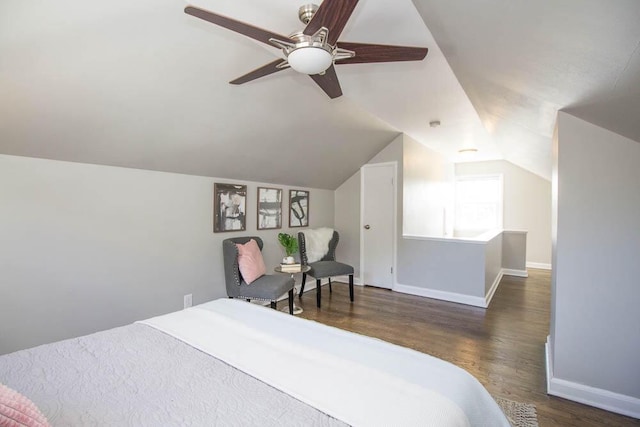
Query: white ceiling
522 61
141 84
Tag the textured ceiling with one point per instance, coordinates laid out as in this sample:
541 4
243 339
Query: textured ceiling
141 84
520 62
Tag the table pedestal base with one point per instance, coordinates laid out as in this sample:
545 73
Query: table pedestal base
296 309
303 269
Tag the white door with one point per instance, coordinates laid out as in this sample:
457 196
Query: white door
378 207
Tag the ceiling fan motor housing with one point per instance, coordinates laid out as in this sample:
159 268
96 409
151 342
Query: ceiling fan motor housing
306 12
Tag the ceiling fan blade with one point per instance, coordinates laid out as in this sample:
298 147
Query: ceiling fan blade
328 82
265 70
332 14
233 25
381 53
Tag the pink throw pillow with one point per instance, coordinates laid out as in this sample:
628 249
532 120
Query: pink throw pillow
250 261
17 410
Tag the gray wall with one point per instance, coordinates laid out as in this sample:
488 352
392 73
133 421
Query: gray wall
435 265
85 248
527 205
595 337
347 222
347 201
493 256
514 250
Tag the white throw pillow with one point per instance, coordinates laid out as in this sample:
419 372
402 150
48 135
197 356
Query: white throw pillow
317 243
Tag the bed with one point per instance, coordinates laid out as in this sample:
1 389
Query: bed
228 362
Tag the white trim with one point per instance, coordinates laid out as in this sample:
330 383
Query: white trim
345 279
592 396
548 365
474 240
394 237
517 273
441 295
492 290
515 231
452 296
539 265
311 286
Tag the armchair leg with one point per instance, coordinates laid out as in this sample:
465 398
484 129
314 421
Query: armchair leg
304 280
351 287
318 292
274 305
330 290
291 301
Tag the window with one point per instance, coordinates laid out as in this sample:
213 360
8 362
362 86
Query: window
478 203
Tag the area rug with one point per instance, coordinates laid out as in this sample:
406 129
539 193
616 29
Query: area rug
519 414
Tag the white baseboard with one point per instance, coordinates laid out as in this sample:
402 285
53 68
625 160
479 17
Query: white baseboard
441 295
311 282
345 279
592 396
492 290
539 265
309 286
452 296
512 272
547 358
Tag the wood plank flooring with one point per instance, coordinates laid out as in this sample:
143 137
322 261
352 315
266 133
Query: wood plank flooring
502 346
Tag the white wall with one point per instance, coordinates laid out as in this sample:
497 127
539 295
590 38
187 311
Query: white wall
427 191
85 248
595 338
527 205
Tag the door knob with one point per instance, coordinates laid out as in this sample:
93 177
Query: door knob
366 227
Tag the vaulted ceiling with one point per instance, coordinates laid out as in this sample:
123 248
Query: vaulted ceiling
141 84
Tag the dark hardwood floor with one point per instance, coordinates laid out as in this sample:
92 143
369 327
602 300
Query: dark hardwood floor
502 346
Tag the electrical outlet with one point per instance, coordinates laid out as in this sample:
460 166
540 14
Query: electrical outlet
188 300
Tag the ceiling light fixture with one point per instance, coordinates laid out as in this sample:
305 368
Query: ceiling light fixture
310 60
468 150
310 54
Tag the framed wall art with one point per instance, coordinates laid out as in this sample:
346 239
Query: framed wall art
298 208
269 208
229 207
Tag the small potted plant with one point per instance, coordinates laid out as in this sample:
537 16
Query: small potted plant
290 245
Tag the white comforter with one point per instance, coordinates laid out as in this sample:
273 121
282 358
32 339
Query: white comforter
138 376
356 379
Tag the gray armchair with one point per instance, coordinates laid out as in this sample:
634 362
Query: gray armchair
265 288
327 267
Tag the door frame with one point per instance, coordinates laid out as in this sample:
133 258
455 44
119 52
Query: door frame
394 243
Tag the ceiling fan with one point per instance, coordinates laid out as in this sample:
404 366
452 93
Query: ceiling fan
316 49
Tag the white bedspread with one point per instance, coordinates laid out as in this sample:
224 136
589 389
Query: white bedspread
356 379
138 376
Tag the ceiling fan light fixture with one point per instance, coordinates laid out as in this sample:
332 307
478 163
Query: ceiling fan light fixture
310 60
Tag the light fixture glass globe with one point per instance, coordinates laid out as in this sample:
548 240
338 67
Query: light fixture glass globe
310 60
